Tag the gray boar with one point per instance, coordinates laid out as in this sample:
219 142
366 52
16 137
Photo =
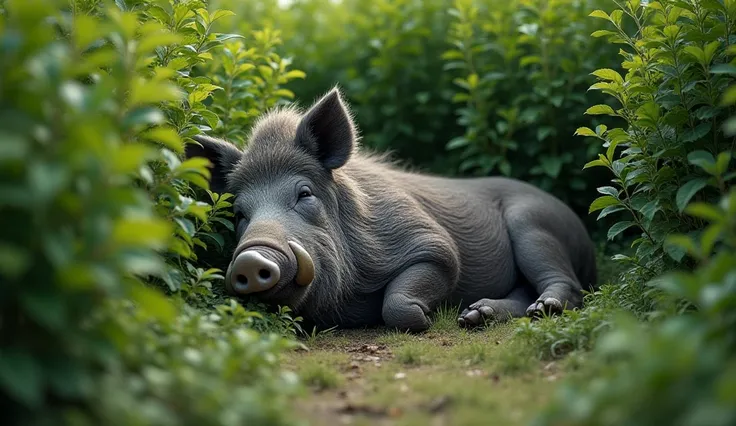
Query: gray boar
348 238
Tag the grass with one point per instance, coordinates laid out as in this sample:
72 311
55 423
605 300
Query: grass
447 375
319 375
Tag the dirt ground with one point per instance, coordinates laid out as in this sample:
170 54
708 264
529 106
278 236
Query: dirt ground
445 376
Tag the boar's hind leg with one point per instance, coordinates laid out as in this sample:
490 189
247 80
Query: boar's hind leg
546 264
411 296
497 310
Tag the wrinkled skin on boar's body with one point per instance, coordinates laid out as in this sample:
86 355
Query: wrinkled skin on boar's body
347 238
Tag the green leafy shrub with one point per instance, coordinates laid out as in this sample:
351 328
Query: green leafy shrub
521 71
385 54
679 370
672 179
100 214
672 148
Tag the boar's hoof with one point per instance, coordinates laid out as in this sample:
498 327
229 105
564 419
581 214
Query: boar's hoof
251 272
481 312
544 307
304 265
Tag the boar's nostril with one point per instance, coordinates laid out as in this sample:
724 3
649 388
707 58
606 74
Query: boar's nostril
252 272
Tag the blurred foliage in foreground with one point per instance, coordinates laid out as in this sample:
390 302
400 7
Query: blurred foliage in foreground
97 100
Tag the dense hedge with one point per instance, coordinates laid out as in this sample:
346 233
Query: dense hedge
457 87
671 162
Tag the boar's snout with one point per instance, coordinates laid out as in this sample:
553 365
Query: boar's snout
260 268
252 272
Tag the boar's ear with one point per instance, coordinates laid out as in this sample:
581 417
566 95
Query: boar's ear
223 155
327 131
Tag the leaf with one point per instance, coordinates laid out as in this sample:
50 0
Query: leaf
704 211
676 246
601 161
722 162
45 307
618 228
457 142
153 303
603 202
295 74
702 159
551 165
608 74
221 13
708 238
584 131
131 156
167 137
226 223
141 232
599 14
21 376
608 190
610 210
266 71
143 116
603 33
687 191
729 97
162 38
151 92
696 53
692 135
723 69
472 81
284 93
217 238
14 260
650 209
600 110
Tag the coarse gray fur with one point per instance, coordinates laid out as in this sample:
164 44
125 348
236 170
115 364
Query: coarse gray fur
389 245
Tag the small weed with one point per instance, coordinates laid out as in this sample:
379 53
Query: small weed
316 335
474 353
445 318
394 337
318 375
410 354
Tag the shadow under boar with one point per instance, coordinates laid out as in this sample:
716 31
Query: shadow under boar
348 238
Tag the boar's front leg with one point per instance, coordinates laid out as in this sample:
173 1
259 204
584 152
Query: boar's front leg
411 296
514 305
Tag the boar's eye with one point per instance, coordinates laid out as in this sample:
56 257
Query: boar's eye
305 192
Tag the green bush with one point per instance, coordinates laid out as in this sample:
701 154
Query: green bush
672 148
403 62
100 214
385 54
680 370
671 164
521 71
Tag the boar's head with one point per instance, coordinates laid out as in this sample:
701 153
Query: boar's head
287 201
